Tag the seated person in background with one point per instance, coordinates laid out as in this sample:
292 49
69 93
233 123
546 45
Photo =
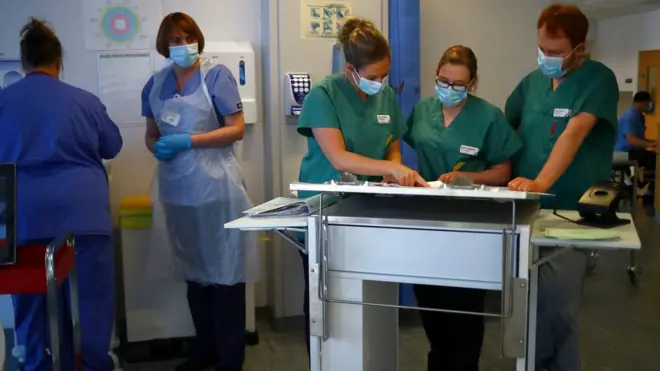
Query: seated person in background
630 135
631 128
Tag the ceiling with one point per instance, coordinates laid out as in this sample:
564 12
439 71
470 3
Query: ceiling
613 8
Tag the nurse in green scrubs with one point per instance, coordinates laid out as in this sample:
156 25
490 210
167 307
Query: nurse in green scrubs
458 134
352 121
565 114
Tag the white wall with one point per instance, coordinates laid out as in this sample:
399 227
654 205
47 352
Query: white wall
502 36
226 20
133 169
619 41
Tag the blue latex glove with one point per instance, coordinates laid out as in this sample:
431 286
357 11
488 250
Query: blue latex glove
169 146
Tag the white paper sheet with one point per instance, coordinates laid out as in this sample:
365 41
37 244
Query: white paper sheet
122 76
322 19
121 24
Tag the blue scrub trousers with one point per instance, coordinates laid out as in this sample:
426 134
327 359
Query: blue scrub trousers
96 294
218 314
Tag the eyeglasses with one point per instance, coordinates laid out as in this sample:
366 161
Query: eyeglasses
444 85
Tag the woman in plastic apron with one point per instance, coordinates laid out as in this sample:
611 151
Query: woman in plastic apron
199 187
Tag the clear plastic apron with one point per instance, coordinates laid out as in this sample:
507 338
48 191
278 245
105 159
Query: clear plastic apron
194 195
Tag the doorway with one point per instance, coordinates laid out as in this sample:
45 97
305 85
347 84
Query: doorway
648 79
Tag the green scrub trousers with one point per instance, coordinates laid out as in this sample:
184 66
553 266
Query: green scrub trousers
541 115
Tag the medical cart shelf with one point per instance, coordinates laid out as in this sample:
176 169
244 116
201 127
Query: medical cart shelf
363 245
41 270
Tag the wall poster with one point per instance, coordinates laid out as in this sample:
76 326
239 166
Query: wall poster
322 20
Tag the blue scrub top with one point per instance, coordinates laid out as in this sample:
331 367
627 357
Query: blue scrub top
219 81
630 122
57 135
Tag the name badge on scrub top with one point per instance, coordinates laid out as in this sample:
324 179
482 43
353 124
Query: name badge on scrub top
561 113
171 118
383 119
467 150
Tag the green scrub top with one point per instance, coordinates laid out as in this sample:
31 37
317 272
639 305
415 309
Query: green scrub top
541 115
368 127
478 138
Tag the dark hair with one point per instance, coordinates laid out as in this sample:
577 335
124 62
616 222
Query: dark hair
362 43
182 22
40 46
565 20
460 55
642 97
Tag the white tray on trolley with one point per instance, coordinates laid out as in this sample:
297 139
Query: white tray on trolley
437 189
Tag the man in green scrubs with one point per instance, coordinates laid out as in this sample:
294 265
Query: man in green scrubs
455 135
565 114
352 121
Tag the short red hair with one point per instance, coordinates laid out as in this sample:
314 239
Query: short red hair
561 20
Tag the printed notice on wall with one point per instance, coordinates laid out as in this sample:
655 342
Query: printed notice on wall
322 20
122 76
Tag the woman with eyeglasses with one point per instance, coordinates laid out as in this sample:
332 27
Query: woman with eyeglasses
457 134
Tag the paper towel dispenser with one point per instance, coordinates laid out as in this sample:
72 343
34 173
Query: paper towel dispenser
239 58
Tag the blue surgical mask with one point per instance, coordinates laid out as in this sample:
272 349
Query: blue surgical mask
551 66
369 87
450 97
184 55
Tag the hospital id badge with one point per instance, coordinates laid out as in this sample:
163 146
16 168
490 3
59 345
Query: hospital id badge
470 151
561 113
383 119
171 118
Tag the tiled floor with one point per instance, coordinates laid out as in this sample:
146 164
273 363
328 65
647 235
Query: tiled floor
620 324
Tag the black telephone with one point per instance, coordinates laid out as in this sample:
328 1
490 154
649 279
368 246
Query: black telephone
598 206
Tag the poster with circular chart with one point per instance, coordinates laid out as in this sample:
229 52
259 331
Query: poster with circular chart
10 72
121 24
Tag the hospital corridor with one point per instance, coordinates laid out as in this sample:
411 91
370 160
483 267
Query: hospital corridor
345 185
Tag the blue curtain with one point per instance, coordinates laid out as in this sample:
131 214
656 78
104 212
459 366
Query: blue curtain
405 79
338 60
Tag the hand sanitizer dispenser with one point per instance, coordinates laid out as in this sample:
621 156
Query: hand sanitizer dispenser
296 88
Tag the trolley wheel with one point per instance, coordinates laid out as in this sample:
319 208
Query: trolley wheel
633 274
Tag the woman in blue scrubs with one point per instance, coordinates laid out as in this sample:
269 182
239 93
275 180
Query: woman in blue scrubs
457 134
58 136
194 116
